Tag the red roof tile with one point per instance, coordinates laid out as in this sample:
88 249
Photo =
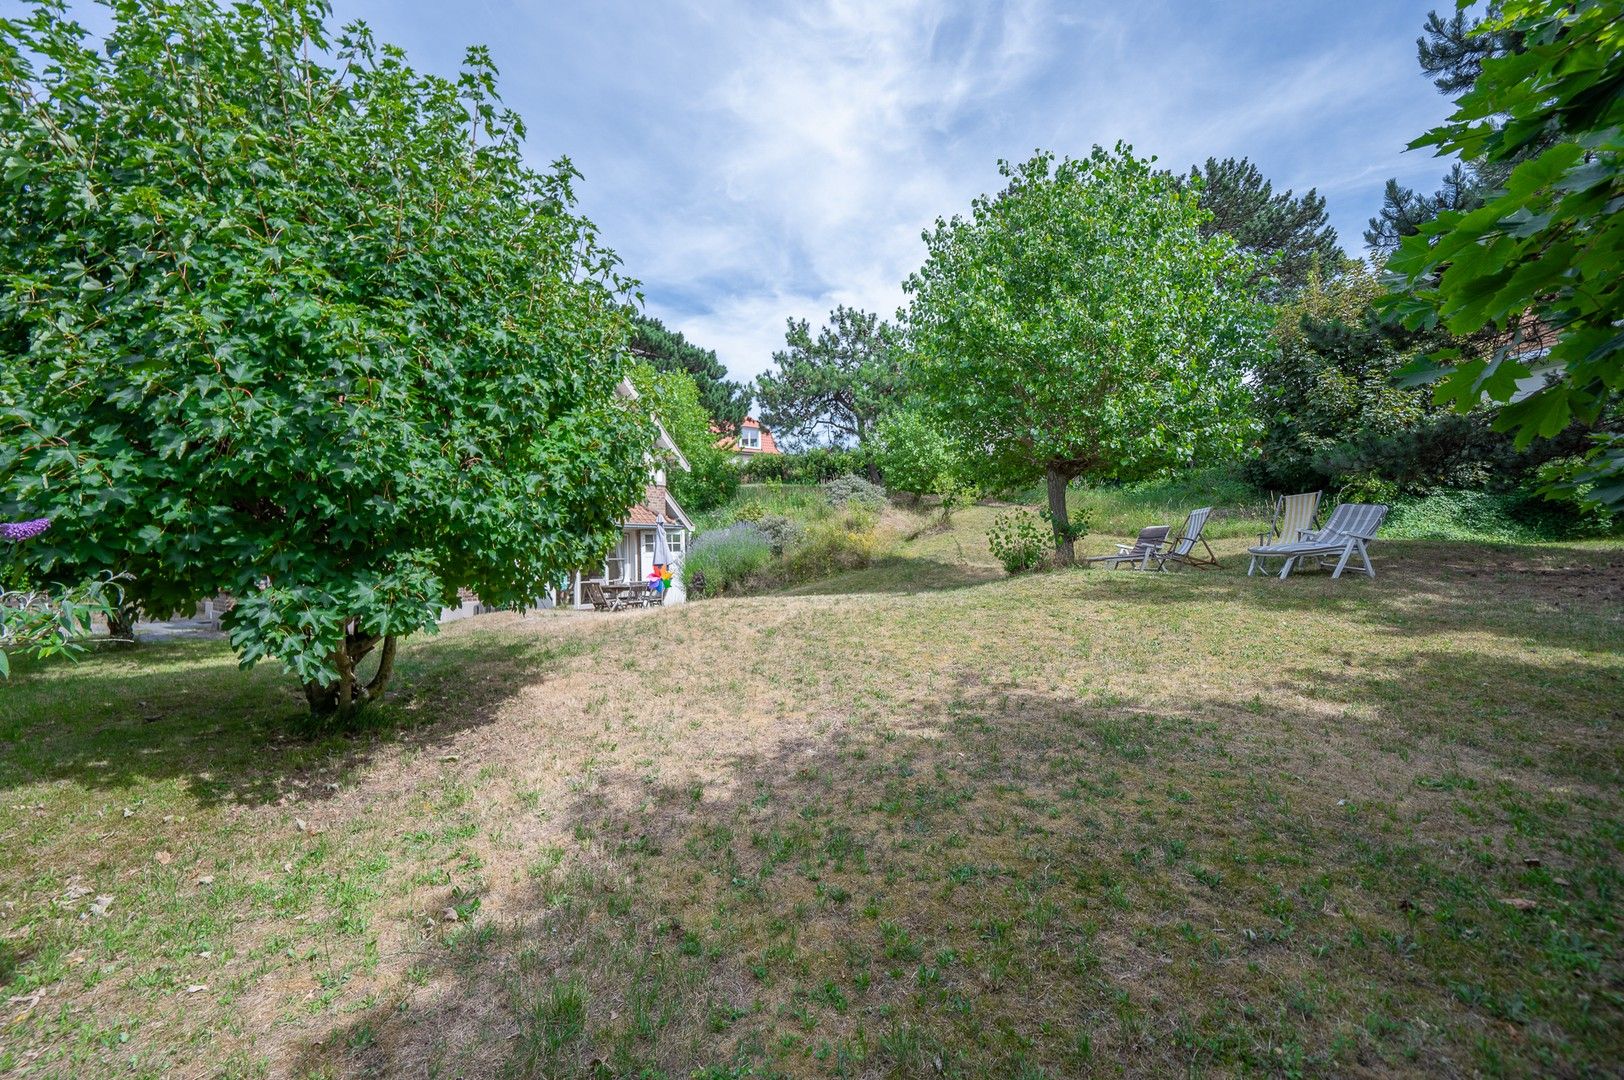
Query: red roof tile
656 502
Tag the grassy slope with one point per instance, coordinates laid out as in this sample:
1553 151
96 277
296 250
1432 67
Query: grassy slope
919 820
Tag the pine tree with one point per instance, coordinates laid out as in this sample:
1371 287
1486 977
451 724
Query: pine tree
1451 53
1290 234
664 349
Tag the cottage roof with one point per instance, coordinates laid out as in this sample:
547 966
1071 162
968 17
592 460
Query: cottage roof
657 501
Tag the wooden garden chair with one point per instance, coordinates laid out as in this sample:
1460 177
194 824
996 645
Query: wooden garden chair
599 600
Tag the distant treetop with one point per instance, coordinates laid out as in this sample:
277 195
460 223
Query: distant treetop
665 349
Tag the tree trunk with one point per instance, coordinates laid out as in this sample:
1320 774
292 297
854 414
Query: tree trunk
121 624
346 695
871 468
1059 519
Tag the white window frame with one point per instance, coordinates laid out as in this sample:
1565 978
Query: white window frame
750 438
673 540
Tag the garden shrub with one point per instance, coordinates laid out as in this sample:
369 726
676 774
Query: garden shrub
913 455
1019 540
832 547
721 560
807 467
782 532
853 490
1368 488
1513 517
713 481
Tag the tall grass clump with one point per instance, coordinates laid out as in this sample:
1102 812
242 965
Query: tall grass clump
800 502
1123 509
721 560
833 546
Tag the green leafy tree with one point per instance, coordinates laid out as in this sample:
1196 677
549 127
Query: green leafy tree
1330 410
312 335
1541 256
1333 414
916 457
1079 323
727 402
712 479
837 383
1290 234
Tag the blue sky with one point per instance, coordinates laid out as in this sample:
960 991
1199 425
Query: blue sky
753 161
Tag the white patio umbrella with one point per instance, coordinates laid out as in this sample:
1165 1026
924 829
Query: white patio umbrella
662 552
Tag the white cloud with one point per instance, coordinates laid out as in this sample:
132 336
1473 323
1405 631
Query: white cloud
830 130
752 160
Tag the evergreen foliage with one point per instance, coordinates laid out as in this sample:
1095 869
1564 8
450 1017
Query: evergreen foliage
836 384
725 401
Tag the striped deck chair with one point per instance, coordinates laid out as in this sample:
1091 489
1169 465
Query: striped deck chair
1183 549
1293 515
1350 527
1139 554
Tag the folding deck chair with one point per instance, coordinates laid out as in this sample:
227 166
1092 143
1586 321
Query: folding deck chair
1349 529
1293 515
1142 551
1183 549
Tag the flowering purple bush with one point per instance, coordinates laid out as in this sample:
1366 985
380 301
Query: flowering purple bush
23 530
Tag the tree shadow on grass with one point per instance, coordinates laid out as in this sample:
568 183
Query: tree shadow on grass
184 710
1016 882
1558 719
1543 594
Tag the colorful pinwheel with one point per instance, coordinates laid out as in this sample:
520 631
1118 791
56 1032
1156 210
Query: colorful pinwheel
659 579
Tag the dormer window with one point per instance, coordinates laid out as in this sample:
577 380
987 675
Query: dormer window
750 438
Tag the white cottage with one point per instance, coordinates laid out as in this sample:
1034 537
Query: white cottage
631 560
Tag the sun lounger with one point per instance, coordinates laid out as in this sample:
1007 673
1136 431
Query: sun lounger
1293 515
1142 551
1350 528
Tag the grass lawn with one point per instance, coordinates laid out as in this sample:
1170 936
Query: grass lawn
917 820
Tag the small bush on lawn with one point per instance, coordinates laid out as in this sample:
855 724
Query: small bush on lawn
1019 540
782 532
853 490
721 560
